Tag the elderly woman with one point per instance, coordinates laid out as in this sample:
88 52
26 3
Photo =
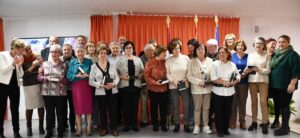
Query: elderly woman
155 73
229 42
78 74
91 51
286 61
32 89
11 71
52 76
259 69
148 54
199 75
224 75
177 67
239 58
130 69
115 53
105 92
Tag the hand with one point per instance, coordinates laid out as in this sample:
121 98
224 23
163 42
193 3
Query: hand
202 83
158 82
79 75
226 83
256 69
85 75
175 82
247 71
18 60
291 88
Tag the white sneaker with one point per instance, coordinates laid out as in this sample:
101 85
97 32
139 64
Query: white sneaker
196 130
207 130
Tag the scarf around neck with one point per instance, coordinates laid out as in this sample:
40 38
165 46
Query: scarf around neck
279 55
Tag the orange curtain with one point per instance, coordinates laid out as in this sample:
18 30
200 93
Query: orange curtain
141 29
101 28
1 35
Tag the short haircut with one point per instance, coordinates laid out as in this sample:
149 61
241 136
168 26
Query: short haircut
227 51
270 40
173 43
102 48
227 37
100 43
114 43
158 50
286 37
152 41
194 42
148 46
56 47
238 42
127 43
69 45
261 39
195 50
17 43
81 36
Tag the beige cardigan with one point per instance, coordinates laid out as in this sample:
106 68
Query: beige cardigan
194 75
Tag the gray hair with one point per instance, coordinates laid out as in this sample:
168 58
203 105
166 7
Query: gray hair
80 47
149 46
56 47
113 44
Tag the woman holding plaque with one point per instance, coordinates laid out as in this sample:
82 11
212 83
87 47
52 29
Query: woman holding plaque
259 69
199 75
105 78
78 74
224 75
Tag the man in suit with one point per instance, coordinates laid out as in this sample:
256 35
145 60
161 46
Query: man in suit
46 51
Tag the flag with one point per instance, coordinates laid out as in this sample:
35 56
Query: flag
168 20
217 30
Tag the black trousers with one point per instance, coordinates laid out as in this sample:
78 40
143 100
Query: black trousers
272 93
282 99
222 110
130 100
71 109
108 104
58 104
158 100
12 92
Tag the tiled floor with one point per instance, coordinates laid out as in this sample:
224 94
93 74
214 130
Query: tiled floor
148 133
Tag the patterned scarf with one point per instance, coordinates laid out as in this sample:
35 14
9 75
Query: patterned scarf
279 55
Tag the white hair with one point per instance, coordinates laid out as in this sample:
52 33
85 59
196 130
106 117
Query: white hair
212 42
55 47
114 43
148 46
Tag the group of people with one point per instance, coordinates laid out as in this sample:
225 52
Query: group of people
105 83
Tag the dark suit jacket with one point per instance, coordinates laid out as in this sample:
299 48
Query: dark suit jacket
45 53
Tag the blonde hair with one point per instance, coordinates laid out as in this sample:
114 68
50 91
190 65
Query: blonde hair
17 43
90 43
227 37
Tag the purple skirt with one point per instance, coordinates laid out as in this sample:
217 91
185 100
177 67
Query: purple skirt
82 97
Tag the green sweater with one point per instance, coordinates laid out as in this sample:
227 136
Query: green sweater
287 69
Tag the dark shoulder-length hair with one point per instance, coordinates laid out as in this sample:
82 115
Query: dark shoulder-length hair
127 43
173 43
195 50
227 51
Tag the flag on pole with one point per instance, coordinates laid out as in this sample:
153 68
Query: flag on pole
196 23
168 20
217 29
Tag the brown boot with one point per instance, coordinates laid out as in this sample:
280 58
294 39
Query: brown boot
243 126
232 124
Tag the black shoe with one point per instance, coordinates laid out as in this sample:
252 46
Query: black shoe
29 131
144 124
281 131
187 129
17 135
155 128
48 135
41 131
164 128
2 136
73 130
176 129
253 126
265 129
226 132
126 128
135 129
275 124
60 135
220 134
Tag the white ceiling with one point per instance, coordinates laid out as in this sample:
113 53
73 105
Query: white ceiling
29 8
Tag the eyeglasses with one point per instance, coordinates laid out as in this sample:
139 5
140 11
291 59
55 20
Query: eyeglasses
128 47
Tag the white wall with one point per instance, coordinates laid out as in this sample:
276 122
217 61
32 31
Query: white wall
271 27
75 25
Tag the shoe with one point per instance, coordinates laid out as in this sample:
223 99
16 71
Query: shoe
176 129
115 133
220 134
78 132
135 129
144 124
155 128
226 132
103 132
232 125
73 130
17 135
60 135
196 130
275 124
265 129
89 131
2 136
48 135
29 131
164 128
253 126
126 128
187 129
281 131
207 130
41 127
243 126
